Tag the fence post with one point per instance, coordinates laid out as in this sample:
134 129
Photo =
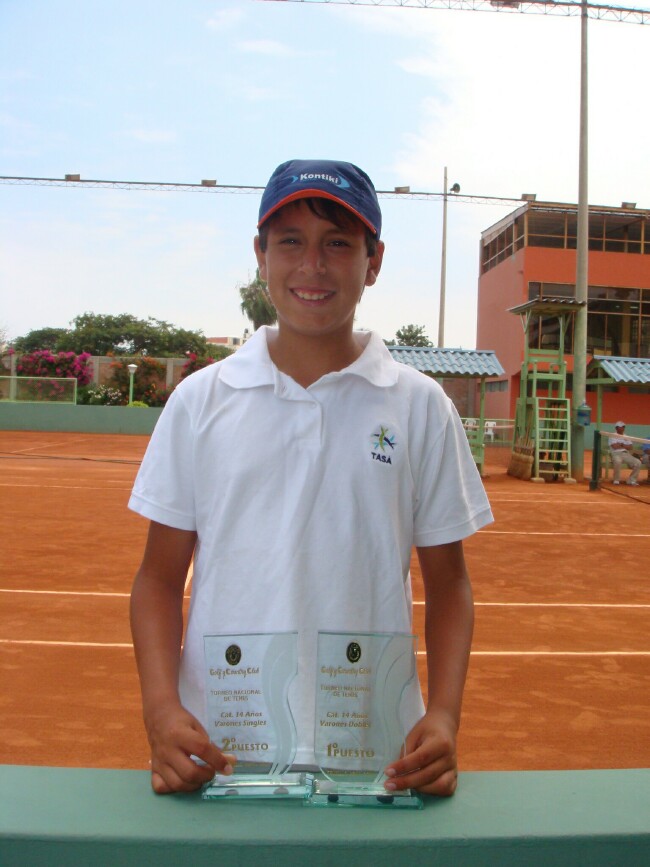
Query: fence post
12 373
595 462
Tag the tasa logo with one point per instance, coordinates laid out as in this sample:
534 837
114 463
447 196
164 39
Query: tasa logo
305 177
383 440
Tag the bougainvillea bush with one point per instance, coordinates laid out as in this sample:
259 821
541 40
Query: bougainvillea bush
43 363
148 380
195 362
158 395
66 365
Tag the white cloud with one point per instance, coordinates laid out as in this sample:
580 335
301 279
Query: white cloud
15 125
11 76
152 136
255 93
420 66
403 91
504 108
20 138
269 47
224 19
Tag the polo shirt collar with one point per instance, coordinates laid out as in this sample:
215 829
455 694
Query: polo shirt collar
375 363
251 366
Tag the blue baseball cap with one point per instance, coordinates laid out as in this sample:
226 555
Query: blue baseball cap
340 182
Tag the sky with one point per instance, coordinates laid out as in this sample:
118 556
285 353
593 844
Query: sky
228 89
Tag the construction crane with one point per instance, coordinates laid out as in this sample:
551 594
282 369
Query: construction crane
601 11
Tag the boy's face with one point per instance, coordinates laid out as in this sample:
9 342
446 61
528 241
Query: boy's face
315 271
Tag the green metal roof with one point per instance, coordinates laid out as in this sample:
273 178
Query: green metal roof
547 305
627 371
470 363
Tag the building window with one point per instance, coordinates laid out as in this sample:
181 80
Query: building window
547 229
618 321
644 338
499 385
550 290
555 228
502 245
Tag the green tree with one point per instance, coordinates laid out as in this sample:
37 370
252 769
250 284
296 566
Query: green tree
255 302
40 338
124 334
217 352
412 335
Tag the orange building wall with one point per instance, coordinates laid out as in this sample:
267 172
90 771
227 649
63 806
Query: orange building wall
605 269
499 289
506 286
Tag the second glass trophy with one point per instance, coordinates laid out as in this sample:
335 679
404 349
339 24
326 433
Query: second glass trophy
360 680
247 686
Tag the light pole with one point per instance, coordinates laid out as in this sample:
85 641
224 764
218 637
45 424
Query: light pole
443 261
579 390
132 369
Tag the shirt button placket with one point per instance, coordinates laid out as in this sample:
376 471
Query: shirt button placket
315 421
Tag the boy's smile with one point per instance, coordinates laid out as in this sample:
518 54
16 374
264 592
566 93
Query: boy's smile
311 296
316 271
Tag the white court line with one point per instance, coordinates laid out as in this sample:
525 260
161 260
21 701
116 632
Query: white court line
76 592
623 535
129 646
64 592
65 487
618 502
48 445
416 602
66 643
598 653
556 604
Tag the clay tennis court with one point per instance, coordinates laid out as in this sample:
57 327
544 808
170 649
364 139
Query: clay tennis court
560 669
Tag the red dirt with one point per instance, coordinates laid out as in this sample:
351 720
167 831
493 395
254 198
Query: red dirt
560 671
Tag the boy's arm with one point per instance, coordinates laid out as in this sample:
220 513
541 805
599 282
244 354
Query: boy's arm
430 763
157 628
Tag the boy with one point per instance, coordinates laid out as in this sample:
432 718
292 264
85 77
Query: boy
298 473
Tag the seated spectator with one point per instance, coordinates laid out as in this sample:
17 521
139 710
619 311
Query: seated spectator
620 448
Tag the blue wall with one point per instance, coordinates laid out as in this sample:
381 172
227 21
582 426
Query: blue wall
82 419
73 816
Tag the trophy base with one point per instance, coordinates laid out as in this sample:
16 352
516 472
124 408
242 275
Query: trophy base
326 793
280 787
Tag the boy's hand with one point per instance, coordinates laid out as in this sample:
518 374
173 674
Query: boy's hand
175 735
429 762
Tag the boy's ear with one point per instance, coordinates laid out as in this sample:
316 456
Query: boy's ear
259 255
374 265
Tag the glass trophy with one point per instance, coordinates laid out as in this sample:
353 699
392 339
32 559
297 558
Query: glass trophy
248 713
360 680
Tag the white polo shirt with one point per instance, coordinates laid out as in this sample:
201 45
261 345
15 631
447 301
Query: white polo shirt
619 439
306 502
